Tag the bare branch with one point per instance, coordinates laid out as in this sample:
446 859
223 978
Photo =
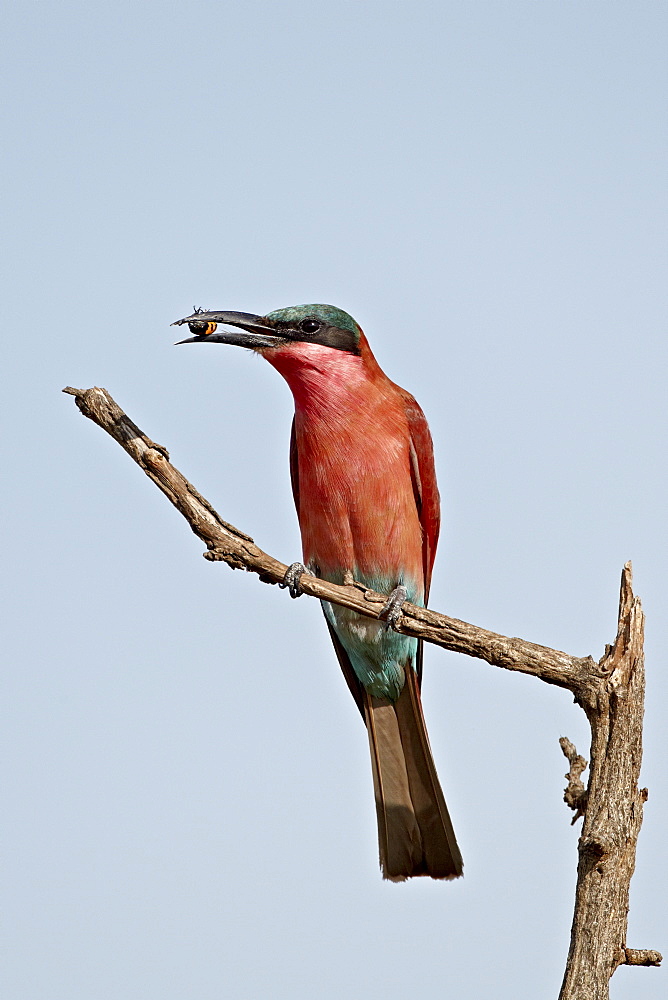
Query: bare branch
575 795
613 813
228 544
611 692
639 956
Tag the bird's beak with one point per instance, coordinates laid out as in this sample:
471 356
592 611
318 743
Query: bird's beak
250 331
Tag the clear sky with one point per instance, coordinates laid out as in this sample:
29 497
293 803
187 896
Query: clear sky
188 806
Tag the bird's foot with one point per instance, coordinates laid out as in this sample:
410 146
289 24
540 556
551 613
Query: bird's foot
391 612
292 577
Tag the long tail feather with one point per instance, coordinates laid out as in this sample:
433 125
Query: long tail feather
415 834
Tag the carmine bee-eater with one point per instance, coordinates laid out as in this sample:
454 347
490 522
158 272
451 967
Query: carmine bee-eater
364 485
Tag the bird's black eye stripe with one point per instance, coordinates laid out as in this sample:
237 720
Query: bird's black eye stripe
309 326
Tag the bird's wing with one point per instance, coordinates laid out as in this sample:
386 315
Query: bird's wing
423 475
427 500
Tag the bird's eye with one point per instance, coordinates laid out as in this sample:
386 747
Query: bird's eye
309 325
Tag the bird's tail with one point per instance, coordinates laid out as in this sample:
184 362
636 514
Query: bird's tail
415 835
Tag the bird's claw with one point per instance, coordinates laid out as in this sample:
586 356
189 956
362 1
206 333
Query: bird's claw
391 612
292 578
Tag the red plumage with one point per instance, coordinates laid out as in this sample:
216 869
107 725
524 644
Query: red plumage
367 501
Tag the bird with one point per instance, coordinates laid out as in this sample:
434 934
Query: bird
367 501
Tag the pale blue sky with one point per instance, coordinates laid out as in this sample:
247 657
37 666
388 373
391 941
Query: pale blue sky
188 802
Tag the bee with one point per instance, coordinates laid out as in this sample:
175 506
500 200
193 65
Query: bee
201 329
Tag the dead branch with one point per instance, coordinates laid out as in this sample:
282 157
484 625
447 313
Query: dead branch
613 813
611 692
575 795
228 544
639 956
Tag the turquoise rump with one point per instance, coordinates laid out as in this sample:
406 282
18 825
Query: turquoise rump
378 655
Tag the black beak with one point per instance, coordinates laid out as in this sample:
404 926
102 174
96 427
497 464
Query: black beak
251 331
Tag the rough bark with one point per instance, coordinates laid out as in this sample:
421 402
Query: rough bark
613 809
610 691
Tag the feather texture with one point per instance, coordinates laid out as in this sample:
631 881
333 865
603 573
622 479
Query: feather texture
364 484
415 833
